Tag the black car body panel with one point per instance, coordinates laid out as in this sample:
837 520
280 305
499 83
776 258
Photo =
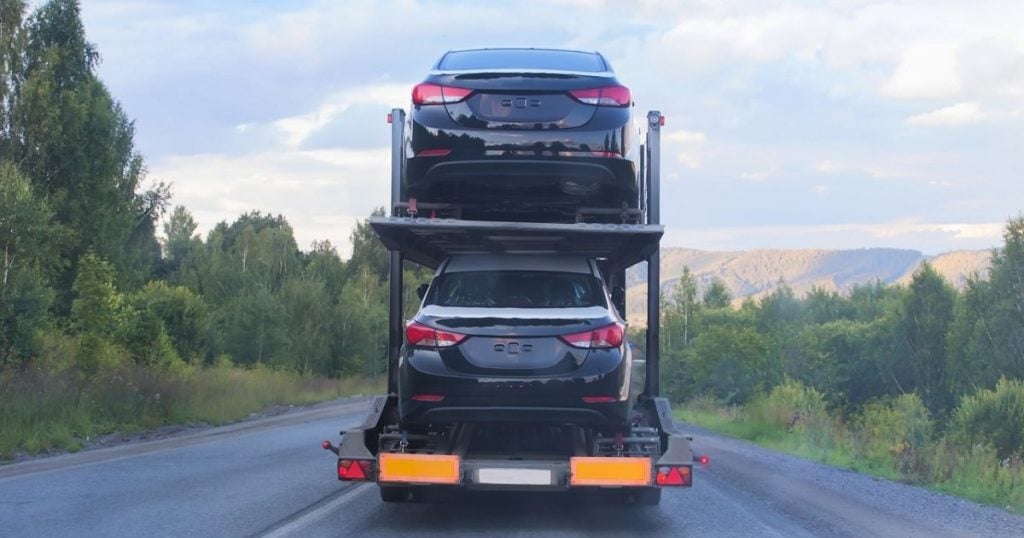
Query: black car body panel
520 138
514 363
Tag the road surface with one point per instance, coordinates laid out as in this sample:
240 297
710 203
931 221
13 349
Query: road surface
270 477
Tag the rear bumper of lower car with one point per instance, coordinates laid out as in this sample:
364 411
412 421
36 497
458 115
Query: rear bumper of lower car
430 395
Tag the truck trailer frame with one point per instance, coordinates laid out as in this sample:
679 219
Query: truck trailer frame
406 464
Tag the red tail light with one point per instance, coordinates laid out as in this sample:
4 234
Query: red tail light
674 476
427 397
599 399
606 337
417 334
354 469
435 94
606 96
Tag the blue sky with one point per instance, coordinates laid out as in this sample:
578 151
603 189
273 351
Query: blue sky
831 124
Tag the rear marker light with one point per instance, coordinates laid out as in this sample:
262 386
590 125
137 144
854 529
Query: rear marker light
389 118
435 94
605 96
609 336
674 476
417 334
599 399
354 469
427 397
703 460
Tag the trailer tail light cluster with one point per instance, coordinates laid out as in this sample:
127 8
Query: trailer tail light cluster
354 469
435 94
680 475
604 96
606 337
420 468
417 334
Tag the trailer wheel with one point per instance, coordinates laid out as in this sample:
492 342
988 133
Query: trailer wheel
395 494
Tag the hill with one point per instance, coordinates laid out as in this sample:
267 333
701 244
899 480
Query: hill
756 273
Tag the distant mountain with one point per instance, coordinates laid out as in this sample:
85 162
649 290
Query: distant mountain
756 273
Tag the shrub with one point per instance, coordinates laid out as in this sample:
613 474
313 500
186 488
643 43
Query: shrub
994 417
901 430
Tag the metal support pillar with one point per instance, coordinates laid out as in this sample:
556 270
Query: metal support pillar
395 311
652 386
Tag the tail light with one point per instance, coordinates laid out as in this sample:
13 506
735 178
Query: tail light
354 469
606 337
605 96
681 475
417 334
435 94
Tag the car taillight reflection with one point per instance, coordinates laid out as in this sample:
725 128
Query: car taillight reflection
604 96
606 337
417 334
435 94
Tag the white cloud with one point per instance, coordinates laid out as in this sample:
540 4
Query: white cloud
321 193
296 129
689 147
958 114
925 71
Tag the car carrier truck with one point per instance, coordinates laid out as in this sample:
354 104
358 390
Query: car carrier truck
634 459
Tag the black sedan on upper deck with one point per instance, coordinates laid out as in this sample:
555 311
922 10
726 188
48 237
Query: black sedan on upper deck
521 131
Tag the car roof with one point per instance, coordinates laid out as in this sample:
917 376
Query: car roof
517 262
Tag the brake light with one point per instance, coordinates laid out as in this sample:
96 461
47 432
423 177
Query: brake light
427 397
435 94
606 96
606 337
599 399
674 476
417 334
354 469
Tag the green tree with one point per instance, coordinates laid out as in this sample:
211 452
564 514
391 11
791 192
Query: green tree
928 314
95 312
73 141
25 234
307 313
367 250
717 295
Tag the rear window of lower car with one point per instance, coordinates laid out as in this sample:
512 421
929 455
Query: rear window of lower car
515 289
532 59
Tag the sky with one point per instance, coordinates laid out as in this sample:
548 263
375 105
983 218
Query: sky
810 124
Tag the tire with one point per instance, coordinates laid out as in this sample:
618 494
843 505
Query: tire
395 494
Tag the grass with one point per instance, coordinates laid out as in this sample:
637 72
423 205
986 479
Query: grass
881 442
42 411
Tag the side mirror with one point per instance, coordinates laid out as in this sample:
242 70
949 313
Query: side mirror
421 290
618 295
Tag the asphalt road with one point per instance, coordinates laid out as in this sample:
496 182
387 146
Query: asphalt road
270 477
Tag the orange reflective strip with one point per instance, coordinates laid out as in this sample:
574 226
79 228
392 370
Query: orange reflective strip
420 468
588 471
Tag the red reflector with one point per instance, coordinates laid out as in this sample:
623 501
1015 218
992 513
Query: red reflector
326 445
599 399
389 118
427 397
661 120
353 469
608 336
606 96
674 476
433 153
435 94
417 334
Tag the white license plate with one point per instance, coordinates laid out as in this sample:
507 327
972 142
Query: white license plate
514 477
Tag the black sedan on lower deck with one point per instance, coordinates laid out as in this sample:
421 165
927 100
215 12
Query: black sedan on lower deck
517 338
522 130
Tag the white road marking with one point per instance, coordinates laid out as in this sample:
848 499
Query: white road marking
319 513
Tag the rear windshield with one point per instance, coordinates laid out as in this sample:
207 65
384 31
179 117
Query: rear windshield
515 289
557 60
